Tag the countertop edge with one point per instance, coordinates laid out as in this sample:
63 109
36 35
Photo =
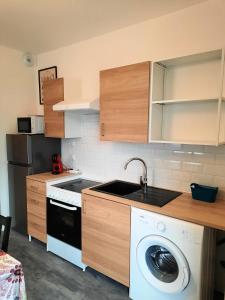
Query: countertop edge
48 176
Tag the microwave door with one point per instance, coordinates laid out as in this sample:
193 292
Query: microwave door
19 149
24 125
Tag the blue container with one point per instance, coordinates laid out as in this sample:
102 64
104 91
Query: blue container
203 192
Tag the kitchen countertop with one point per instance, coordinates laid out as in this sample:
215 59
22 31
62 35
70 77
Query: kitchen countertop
183 207
48 176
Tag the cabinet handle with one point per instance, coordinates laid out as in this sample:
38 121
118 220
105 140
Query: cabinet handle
34 201
102 129
34 187
83 207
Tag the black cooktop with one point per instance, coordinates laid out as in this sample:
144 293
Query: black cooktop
76 185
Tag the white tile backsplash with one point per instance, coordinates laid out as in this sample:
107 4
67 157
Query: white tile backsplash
169 166
192 167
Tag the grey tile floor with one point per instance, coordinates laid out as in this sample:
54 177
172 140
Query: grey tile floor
49 277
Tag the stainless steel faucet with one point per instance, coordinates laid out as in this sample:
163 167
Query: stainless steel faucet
144 178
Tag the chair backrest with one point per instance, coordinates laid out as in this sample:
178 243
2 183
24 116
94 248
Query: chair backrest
6 222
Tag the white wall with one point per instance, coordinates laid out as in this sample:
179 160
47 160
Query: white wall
17 98
195 29
190 30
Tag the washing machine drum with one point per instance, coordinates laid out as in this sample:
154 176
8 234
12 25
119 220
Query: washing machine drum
163 264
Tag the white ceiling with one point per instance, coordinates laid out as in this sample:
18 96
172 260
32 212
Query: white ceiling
41 25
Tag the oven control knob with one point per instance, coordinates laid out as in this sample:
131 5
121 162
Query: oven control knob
161 227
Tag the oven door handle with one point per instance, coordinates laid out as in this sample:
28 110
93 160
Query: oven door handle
62 205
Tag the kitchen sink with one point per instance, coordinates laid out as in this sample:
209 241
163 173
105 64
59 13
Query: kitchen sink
118 188
132 191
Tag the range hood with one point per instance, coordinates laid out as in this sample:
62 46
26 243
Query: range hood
73 100
79 106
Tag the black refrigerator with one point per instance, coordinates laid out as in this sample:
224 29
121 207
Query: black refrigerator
27 154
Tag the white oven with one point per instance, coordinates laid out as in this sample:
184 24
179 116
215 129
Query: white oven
64 219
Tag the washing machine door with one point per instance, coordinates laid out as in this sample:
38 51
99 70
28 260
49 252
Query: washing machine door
163 264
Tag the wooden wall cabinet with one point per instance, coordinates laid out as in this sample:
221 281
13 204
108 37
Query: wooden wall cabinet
106 237
124 103
36 209
58 123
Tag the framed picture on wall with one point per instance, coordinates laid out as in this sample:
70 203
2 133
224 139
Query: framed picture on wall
43 75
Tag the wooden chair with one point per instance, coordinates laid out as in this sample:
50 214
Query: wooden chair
6 222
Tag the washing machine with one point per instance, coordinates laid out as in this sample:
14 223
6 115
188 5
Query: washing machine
170 258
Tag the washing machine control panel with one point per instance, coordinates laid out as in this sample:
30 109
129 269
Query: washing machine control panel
169 227
156 226
161 227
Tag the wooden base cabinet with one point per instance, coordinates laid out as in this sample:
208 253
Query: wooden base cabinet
36 209
106 237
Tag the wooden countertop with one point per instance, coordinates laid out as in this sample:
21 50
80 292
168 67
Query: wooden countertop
48 176
183 207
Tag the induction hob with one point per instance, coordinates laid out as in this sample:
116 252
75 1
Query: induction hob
76 185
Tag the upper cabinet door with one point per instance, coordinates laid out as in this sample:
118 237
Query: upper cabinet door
124 103
54 120
53 91
59 124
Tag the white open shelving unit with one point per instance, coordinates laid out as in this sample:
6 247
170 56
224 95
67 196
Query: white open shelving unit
187 104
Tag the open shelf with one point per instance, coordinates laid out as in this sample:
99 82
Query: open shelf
190 77
204 143
190 107
185 121
168 101
195 58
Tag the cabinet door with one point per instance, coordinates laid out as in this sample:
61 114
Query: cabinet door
54 122
36 186
106 237
53 91
124 103
36 215
37 227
